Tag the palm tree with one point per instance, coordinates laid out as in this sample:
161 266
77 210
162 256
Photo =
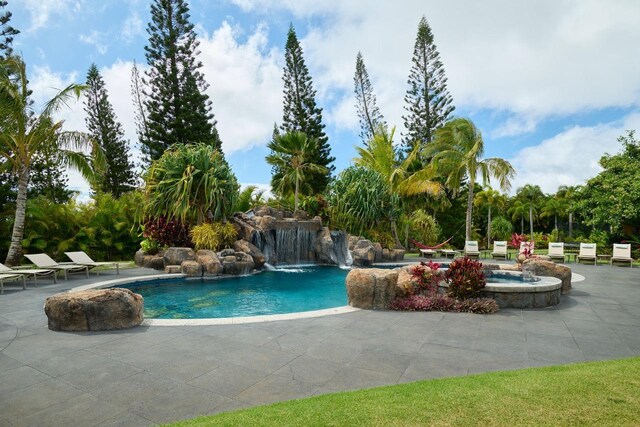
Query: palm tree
532 195
490 198
554 207
291 155
399 174
569 194
457 154
518 211
24 133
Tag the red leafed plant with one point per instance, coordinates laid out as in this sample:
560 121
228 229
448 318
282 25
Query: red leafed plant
426 277
516 239
465 278
445 303
167 232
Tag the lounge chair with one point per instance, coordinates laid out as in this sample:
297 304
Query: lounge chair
81 258
588 252
428 252
471 249
45 261
500 250
35 272
5 276
622 253
556 251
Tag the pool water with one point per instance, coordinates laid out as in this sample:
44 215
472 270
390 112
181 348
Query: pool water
287 290
507 277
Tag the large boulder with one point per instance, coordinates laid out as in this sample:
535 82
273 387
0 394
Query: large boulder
377 248
364 253
153 261
353 240
211 265
540 267
94 310
371 288
175 256
191 268
238 264
405 285
249 248
324 246
139 257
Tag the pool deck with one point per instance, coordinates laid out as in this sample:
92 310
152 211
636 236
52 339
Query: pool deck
157 374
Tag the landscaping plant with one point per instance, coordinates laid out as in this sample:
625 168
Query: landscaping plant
465 278
214 236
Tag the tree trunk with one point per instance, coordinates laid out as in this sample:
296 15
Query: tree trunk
570 224
555 220
489 228
15 249
295 203
521 225
531 221
469 212
394 233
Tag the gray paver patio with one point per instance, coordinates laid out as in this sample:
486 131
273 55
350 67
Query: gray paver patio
157 374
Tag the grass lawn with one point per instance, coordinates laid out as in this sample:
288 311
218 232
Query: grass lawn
596 393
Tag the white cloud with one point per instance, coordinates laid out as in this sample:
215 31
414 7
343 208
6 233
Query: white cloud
132 27
42 10
96 39
246 86
541 59
571 157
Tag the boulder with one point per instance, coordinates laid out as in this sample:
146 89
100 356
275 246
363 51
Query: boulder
244 257
269 211
352 241
540 267
249 248
175 256
139 257
301 215
324 246
172 269
265 222
396 255
191 268
405 285
94 310
243 225
153 261
226 252
363 253
371 288
377 248
237 268
211 265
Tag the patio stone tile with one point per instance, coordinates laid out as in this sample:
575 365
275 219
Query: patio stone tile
177 404
305 368
102 375
186 369
7 363
63 364
382 361
140 387
295 342
228 379
355 378
20 377
83 410
553 348
431 367
16 405
126 419
275 388
336 349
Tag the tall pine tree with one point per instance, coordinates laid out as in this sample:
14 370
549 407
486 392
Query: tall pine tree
368 112
178 110
428 102
104 128
138 98
300 112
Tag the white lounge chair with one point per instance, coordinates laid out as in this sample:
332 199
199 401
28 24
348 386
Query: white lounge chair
556 251
622 253
428 252
471 249
500 250
35 272
588 252
81 258
5 276
45 261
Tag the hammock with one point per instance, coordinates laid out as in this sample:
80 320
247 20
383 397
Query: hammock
421 246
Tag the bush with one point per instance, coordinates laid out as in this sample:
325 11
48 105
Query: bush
501 228
166 232
426 277
423 227
465 278
445 303
214 236
385 238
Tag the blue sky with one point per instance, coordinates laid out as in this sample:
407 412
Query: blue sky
550 84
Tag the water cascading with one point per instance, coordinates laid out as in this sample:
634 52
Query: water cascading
295 242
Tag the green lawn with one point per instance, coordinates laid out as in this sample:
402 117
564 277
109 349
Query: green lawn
597 393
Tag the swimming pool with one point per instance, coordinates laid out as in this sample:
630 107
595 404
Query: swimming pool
281 291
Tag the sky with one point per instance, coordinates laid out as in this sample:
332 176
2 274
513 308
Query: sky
551 84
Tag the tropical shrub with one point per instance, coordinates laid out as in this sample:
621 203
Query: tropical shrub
150 246
501 228
541 239
465 278
166 232
426 277
191 183
383 237
445 303
360 199
423 227
316 206
214 236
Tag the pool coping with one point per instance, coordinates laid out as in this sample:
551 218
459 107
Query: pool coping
212 320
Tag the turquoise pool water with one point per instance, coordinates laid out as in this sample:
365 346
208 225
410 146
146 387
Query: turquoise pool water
288 290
